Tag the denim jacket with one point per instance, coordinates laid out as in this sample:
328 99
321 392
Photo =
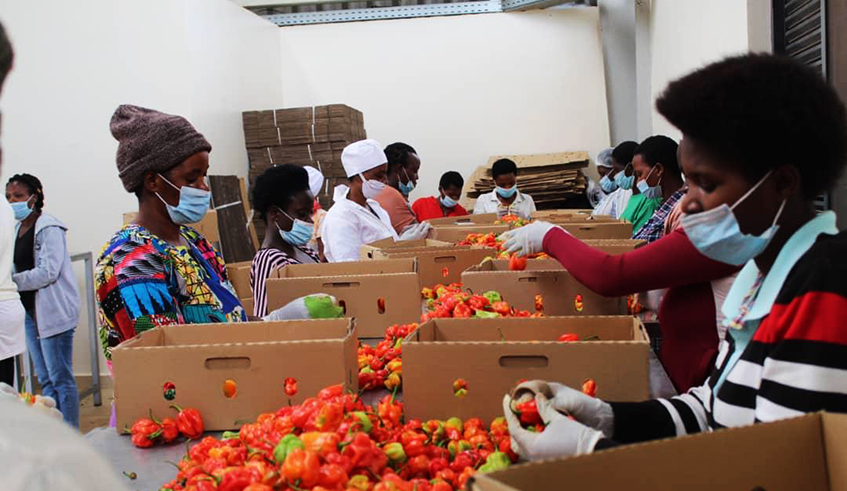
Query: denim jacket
57 298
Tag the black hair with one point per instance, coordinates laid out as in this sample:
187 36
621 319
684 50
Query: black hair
503 166
451 178
659 149
756 112
398 154
624 152
277 186
7 55
33 187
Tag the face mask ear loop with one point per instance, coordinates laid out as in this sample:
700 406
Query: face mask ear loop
779 213
169 182
751 191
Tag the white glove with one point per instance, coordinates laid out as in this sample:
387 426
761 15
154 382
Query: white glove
584 408
416 231
526 240
561 437
318 306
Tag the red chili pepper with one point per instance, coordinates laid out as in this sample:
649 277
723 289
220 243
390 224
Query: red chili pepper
189 422
462 460
170 430
145 432
569 337
517 263
290 386
478 302
302 465
462 310
501 308
436 465
238 478
528 413
332 476
589 387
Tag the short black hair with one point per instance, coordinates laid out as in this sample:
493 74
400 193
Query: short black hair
277 186
624 152
756 112
398 153
33 187
451 178
503 166
659 149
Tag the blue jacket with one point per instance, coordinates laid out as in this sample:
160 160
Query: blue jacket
57 297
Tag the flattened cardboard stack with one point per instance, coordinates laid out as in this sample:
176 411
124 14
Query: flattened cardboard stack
303 136
552 179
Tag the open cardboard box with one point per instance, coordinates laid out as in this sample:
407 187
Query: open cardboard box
543 214
369 251
562 294
438 262
472 219
615 246
377 293
454 234
208 226
492 355
257 356
239 276
808 453
616 229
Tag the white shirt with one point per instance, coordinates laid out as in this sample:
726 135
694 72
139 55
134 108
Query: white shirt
523 206
12 340
348 225
614 204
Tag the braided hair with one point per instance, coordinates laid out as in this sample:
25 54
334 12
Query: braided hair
33 186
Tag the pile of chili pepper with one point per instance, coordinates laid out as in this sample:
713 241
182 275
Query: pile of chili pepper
513 221
147 432
527 411
494 241
335 442
452 301
381 365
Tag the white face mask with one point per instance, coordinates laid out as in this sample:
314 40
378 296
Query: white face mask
371 187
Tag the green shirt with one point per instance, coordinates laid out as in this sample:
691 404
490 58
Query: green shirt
638 210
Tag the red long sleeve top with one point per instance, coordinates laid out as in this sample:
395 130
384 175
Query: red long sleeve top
687 312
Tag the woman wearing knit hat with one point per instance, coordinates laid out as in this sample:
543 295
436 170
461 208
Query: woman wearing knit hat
157 270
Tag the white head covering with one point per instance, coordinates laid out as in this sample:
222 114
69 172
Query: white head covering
604 158
362 156
316 180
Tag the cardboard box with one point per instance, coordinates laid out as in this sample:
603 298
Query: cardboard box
544 277
598 229
576 218
472 219
359 287
239 276
493 354
453 234
543 214
208 226
368 251
258 356
438 262
247 305
614 246
807 453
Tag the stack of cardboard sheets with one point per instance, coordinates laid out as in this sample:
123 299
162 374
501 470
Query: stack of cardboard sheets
552 179
312 136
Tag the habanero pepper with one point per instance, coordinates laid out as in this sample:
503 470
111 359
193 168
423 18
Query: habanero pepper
478 302
501 308
528 412
462 311
189 422
145 432
302 465
332 476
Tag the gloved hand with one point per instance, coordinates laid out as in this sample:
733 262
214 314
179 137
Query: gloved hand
561 437
586 409
318 306
526 240
416 231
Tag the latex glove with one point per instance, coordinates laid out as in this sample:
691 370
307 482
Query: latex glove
562 437
318 306
526 240
416 231
586 409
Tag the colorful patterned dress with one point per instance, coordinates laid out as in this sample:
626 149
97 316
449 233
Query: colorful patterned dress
143 282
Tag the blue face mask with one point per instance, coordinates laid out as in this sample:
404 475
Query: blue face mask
623 181
608 185
300 233
717 235
407 188
650 191
192 207
448 202
21 209
506 193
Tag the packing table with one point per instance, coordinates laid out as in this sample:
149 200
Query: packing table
153 468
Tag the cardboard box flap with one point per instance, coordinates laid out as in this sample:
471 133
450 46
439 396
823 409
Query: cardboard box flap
502 265
590 329
481 219
390 244
835 436
254 332
390 266
788 455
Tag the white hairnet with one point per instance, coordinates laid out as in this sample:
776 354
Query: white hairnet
362 156
604 158
316 180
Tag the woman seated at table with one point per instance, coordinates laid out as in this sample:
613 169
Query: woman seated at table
505 199
447 202
158 271
282 197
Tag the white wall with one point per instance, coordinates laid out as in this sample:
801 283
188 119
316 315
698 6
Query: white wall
617 19
459 89
204 59
688 34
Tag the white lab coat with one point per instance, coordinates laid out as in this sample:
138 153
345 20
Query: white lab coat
523 206
613 204
348 225
12 341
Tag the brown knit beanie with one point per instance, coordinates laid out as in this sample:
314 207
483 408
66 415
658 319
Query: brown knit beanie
149 140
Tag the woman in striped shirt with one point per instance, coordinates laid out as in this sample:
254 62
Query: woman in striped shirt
762 137
282 197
